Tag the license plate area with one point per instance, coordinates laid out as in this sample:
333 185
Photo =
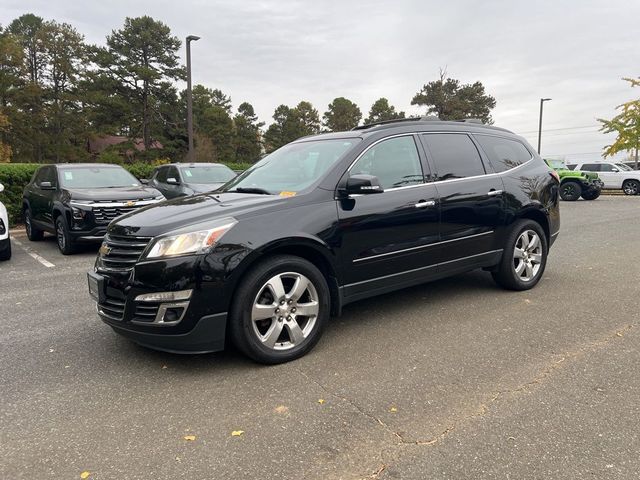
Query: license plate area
96 287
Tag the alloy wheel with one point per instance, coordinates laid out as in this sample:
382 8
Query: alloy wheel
60 236
27 223
285 311
527 255
631 188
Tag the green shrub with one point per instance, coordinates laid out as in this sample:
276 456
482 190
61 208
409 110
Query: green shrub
15 176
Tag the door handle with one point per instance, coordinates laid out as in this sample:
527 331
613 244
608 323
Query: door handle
493 193
425 203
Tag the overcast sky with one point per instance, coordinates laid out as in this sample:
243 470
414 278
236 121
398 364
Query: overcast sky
272 52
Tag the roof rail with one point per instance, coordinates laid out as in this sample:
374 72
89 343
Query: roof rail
429 118
470 120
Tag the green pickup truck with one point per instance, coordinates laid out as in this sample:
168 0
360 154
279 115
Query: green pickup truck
575 184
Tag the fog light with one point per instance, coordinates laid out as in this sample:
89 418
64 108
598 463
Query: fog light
172 315
165 296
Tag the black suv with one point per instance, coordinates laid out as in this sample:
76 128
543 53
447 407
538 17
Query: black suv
77 201
322 222
182 179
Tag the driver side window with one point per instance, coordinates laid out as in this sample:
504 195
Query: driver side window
395 162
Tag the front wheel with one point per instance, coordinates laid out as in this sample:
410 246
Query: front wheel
5 249
631 187
65 242
280 310
524 257
570 191
591 195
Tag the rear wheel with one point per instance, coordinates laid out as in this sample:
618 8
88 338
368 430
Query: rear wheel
570 191
280 310
591 195
631 187
524 257
65 242
33 233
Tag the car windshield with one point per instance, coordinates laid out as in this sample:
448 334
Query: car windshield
624 167
291 168
207 174
556 163
96 177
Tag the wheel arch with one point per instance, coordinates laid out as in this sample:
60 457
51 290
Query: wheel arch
313 250
538 216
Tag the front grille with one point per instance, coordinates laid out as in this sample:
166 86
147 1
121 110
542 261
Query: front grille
120 253
107 214
112 307
146 312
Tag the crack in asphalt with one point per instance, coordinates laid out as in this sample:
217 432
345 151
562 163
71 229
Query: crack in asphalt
483 408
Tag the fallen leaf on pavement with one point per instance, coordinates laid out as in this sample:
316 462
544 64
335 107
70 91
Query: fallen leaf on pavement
281 409
189 438
85 474
393 409
321 401
237 433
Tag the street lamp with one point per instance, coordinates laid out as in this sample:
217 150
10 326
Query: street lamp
542 100
190 38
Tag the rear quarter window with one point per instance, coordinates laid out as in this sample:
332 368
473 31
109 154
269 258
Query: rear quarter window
503 153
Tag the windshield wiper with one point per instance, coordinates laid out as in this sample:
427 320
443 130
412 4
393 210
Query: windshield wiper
258 190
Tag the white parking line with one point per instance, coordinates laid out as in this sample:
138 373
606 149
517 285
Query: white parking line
33 254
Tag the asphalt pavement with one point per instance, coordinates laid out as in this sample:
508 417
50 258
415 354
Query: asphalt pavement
456 379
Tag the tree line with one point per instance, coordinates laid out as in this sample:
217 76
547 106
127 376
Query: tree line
57 92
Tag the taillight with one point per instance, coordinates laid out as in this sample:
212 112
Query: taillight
555 175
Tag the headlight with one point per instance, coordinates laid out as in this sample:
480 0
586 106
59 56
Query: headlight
189 242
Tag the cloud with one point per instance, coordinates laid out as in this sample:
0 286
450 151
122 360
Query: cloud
272 52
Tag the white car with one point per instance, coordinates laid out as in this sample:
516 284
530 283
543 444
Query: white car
615 176
5 243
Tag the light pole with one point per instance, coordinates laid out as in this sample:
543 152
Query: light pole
190 38
542 100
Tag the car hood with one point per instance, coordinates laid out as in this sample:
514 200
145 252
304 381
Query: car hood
184 211
117 193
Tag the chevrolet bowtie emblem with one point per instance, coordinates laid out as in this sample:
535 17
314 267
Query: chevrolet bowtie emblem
130 203
105 249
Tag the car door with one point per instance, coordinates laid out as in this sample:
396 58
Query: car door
41 198
471 198
159 180
611 175
385 238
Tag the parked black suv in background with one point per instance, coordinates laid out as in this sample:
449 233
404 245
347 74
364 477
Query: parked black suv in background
77 201
322 222
180 180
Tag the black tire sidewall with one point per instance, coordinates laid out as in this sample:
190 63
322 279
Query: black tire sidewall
5 249
506 275
241 326
33 233
577 191
69 245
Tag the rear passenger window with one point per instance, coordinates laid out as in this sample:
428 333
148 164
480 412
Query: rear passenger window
591 167
504 154
454 155
394 161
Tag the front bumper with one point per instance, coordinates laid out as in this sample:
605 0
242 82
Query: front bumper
206 336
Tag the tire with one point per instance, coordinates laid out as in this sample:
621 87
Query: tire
631 187
507 275
264 324
570 191
33 233
5 249
591 195
66 245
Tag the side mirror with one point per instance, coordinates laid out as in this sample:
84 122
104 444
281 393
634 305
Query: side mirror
46 186
172 181
363 185
1 187
144 181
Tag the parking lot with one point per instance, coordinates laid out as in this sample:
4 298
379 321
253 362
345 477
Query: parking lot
455 379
